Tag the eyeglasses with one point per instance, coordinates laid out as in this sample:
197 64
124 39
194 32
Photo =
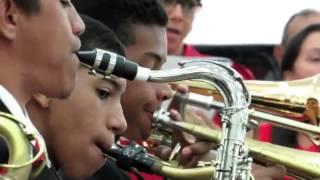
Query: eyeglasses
188 6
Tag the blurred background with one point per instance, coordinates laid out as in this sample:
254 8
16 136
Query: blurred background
244 21
245 31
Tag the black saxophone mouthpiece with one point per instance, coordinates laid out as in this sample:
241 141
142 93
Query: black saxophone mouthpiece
106 63
130 156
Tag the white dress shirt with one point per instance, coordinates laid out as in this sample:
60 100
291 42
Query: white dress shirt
20 113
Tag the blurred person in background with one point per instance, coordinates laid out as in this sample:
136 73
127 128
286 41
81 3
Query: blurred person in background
301 60
294 25
181 15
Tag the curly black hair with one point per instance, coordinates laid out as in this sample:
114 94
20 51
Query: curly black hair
120 15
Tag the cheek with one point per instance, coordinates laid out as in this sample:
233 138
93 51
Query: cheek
306 69
187 26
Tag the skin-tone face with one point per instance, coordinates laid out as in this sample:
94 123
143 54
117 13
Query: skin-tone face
46 44
78 129
179 25
141 99
308 61
314 105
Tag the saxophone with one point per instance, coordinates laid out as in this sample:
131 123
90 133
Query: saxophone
232 157
232 160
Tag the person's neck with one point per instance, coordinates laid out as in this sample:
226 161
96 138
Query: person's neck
39 117
12 79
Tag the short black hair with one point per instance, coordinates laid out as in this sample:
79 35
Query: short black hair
303 13
120 15
98 35
293 48
28 6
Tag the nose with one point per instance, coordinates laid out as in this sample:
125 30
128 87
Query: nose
116 122
176 13
77 24
164 91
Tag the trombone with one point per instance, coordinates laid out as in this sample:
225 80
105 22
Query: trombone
280 103
299 164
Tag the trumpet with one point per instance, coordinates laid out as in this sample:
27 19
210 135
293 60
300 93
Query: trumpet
299 164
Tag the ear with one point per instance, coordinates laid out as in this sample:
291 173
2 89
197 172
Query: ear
8 18
42 100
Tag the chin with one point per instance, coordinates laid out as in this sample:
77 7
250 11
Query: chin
66 91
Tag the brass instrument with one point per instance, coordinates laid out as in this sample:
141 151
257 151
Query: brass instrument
232 158
300 164
304 165
282 98
21 157
280 103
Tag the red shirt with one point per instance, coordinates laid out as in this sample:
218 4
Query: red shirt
265 135
246 73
